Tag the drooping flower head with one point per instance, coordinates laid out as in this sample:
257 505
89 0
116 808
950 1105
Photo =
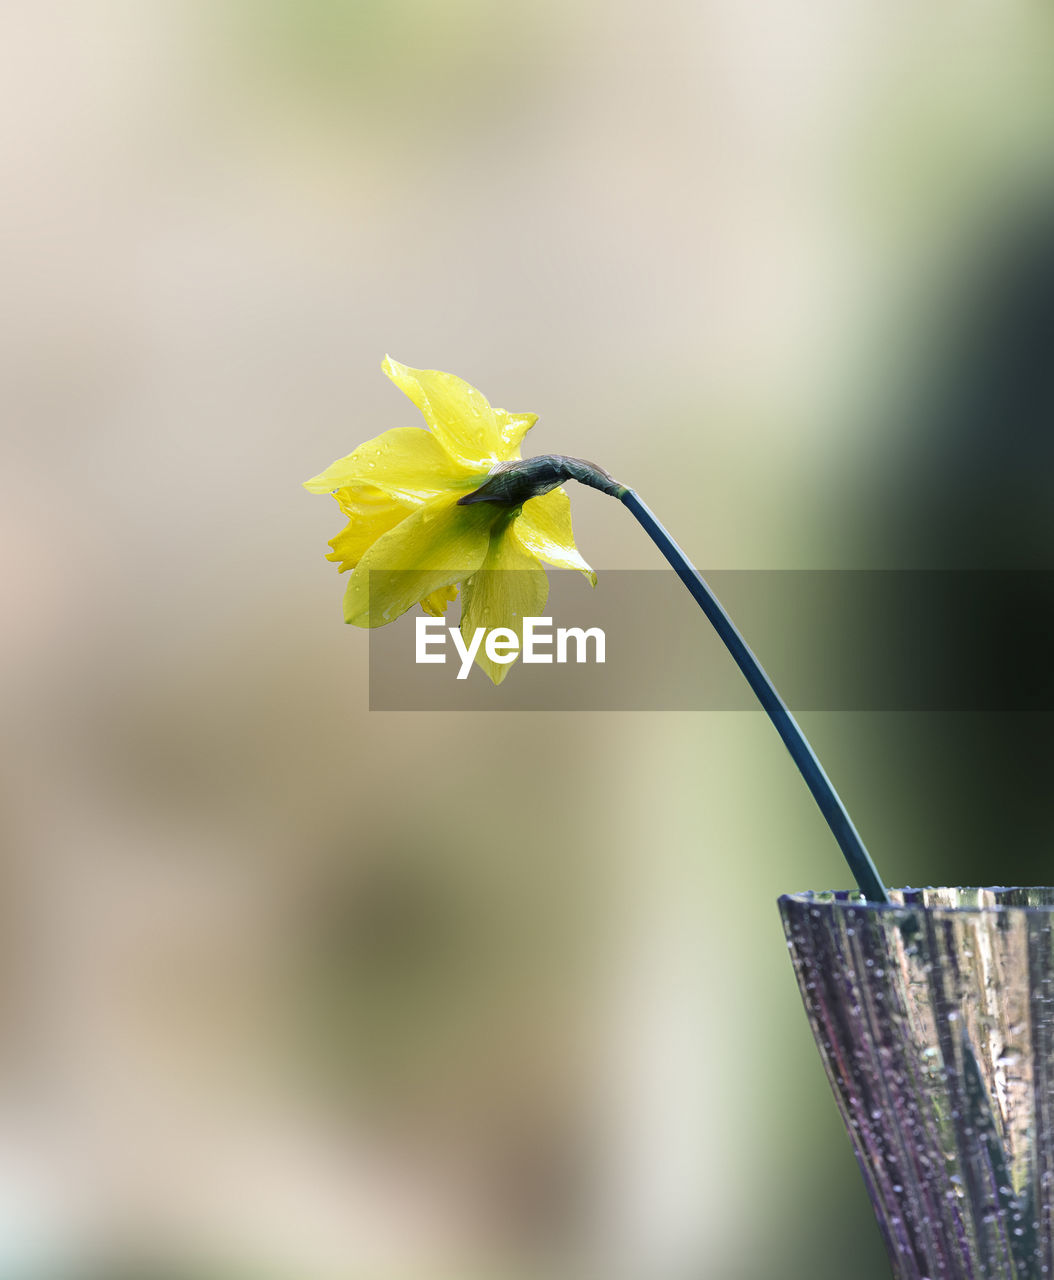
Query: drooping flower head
410 541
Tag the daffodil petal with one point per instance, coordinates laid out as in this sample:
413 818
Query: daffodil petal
435 546
513 427
406 462
544 528
460 417
509 587
436 602
371 512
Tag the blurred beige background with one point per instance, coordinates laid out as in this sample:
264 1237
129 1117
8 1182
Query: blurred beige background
290 989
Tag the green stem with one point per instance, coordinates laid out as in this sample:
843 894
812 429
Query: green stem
513 483
821 787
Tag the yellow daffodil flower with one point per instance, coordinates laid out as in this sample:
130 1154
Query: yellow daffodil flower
408 528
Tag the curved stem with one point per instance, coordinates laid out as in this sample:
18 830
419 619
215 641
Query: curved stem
787 727
512 483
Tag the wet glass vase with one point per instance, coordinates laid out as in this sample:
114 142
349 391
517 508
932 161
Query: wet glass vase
934 1016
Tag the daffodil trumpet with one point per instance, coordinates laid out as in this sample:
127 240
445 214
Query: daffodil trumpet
456 507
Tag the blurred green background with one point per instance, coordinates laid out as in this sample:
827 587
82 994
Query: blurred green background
290 989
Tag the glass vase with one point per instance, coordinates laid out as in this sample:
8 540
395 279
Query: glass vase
934 1016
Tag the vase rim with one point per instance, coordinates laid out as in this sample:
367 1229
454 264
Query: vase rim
976 899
